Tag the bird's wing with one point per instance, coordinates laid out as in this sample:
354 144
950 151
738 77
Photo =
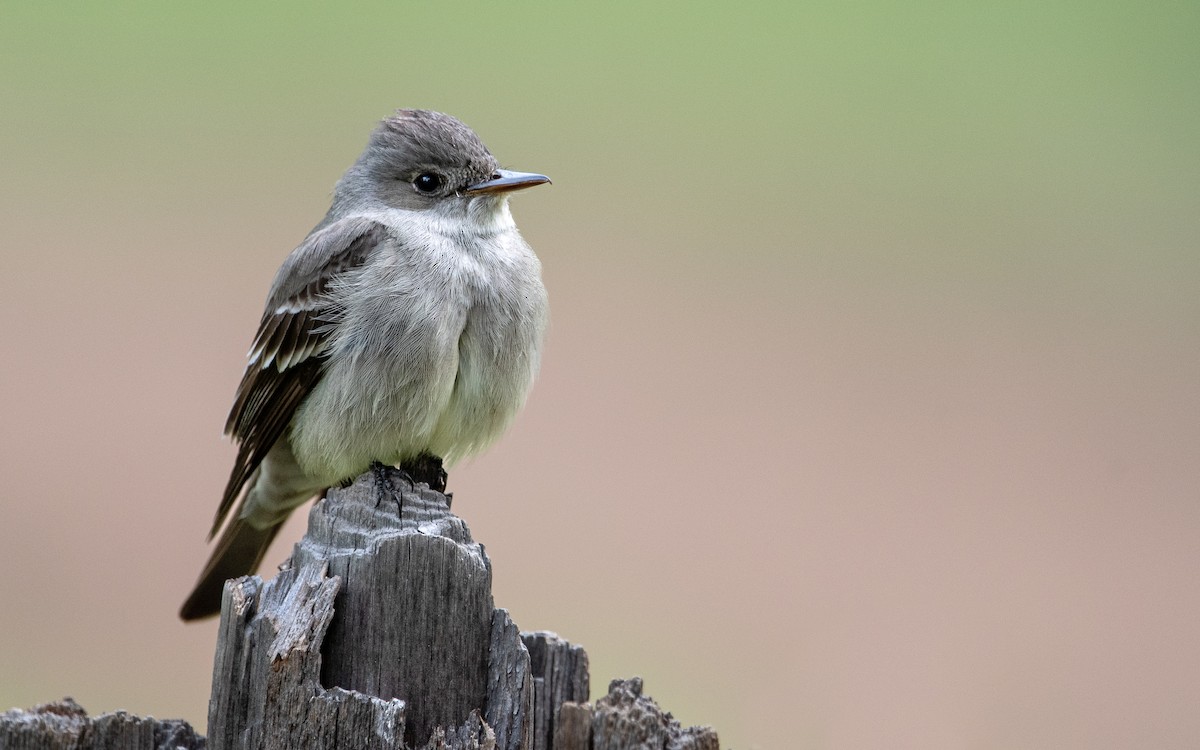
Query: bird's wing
286 358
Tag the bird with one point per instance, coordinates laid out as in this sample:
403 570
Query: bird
406 330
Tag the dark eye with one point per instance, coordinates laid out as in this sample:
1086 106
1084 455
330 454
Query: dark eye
428 183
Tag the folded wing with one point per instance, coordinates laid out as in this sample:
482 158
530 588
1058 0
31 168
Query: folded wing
285 361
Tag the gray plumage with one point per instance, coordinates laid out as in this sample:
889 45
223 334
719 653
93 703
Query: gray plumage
409 322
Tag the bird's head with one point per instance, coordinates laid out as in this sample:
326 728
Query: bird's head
420 160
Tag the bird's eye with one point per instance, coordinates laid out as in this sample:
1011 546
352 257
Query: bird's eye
428 183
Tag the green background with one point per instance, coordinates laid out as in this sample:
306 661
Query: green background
869 415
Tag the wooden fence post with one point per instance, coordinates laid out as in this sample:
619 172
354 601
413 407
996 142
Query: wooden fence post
380 632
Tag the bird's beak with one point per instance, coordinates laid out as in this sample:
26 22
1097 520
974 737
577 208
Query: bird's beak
504 181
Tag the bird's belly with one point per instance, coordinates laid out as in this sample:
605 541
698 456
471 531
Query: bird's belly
488 392
379 406
450 396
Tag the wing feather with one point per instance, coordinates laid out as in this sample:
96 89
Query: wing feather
286 359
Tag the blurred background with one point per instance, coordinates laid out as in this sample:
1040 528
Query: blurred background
870 413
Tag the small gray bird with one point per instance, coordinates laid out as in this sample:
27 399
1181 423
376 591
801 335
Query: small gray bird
406 329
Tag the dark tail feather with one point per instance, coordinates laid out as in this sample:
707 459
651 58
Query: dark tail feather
238 553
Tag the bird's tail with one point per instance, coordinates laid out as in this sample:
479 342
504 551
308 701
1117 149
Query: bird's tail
239 552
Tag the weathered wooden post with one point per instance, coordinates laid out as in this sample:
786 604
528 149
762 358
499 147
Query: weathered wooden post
380 632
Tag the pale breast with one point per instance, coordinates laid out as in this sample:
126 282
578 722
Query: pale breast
434 351
499 347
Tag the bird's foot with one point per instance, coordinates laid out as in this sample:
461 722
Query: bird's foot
383 485
426 468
